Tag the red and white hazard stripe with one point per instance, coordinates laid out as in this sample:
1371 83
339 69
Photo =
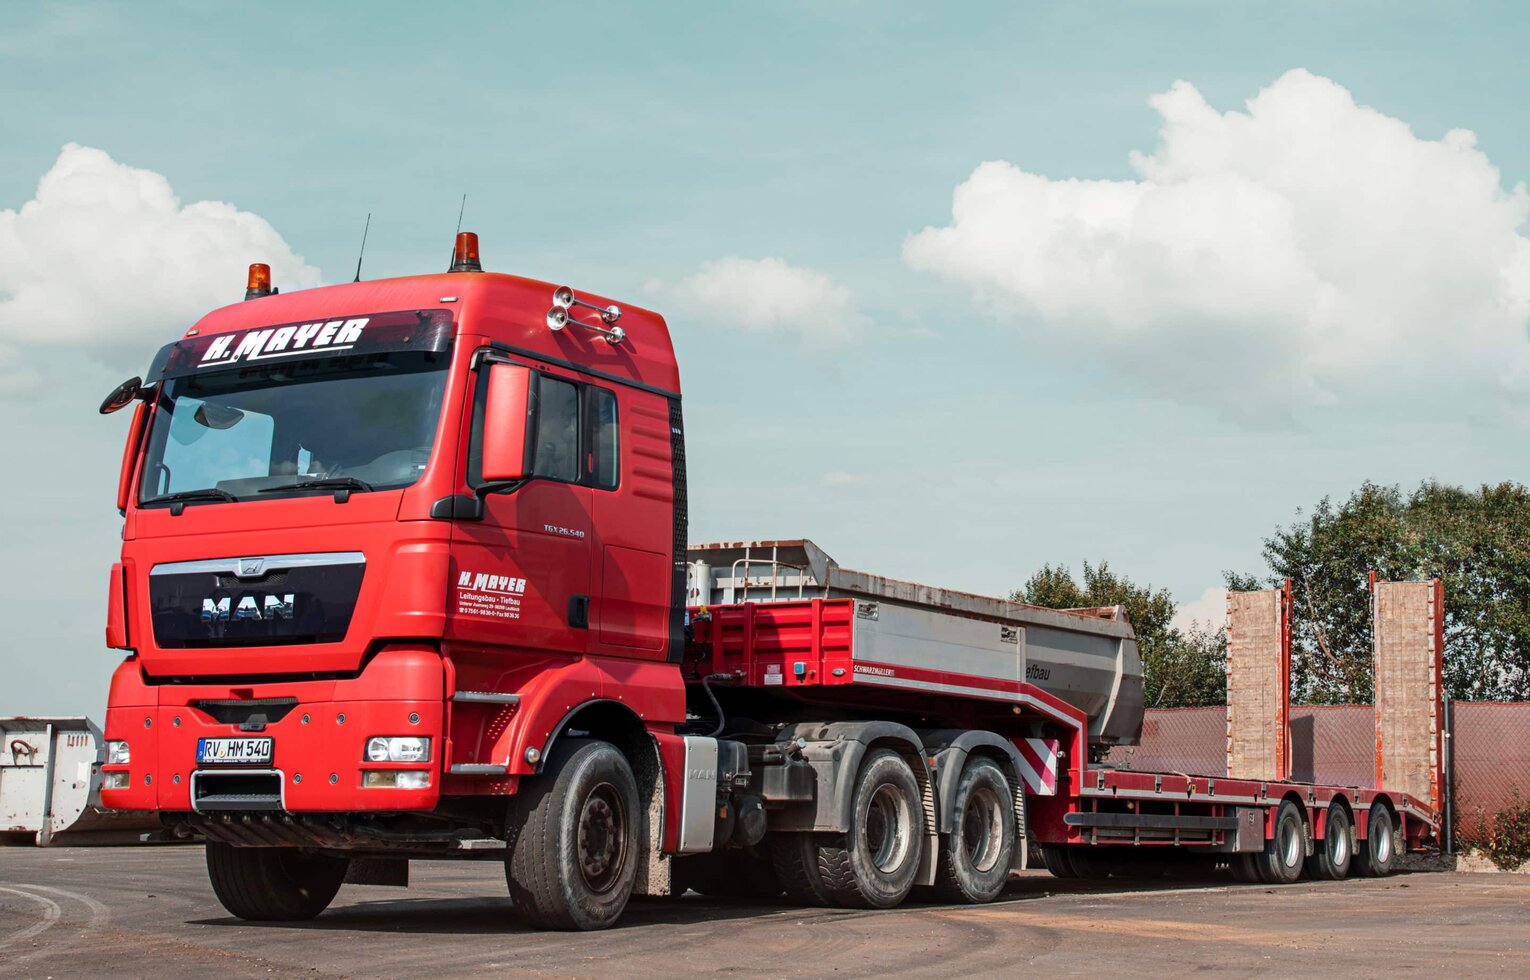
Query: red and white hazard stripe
1038 765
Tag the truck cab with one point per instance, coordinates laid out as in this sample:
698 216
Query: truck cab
383 542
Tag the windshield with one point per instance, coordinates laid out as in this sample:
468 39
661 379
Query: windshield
359 423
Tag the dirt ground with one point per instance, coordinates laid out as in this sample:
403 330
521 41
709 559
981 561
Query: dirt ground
149 912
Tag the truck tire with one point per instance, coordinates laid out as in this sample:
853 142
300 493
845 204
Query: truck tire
1056 860
974 859
873 865
273 884
1285 853
1377 854
575 839
795 859
1331 857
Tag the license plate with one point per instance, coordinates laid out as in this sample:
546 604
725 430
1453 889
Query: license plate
234 751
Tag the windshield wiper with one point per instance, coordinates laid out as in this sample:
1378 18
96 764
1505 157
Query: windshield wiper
329 483
206 493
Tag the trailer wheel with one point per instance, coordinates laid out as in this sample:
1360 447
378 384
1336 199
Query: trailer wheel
1285 853
1331 860
1056 860
575 839
873 866
273 884
1378 853
975 857
795 858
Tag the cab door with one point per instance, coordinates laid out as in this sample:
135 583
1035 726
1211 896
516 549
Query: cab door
520 575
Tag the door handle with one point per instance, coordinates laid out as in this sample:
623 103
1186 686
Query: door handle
579 611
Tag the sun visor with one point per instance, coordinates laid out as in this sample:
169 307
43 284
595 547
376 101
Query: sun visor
427 331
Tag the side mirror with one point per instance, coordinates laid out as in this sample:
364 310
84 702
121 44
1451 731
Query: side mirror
122 396
507 415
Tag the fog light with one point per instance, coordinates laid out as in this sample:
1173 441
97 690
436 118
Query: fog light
117 753
414 779
396 780
116 780
399 748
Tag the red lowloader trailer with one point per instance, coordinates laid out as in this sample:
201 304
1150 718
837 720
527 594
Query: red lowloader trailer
405 576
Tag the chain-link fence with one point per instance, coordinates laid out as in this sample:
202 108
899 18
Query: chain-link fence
1336 745
1491 745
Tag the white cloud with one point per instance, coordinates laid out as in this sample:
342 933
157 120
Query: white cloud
1305 251
107 261
838 479
766 295
1207 612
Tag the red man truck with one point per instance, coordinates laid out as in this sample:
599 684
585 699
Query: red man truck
405 576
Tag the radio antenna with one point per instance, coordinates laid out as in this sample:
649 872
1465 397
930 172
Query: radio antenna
360 255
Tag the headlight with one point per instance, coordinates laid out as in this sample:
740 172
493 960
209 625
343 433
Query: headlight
398 748
117 753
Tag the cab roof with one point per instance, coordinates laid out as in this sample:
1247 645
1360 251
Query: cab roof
486 306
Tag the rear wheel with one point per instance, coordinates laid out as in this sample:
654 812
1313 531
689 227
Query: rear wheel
575 839
975 857
273 884
1056 858
1378 852
1285 853
795 859
1330 860
873 866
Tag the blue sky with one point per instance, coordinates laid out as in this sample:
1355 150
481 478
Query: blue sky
1004 395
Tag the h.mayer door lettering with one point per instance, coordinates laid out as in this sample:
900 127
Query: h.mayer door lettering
489 595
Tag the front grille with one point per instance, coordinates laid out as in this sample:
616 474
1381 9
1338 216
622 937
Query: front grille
196 605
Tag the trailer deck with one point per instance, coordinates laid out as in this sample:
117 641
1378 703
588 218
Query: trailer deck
803 629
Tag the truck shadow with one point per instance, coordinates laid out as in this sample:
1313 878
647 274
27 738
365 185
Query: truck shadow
493 915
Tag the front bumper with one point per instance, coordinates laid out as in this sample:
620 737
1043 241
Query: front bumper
318 744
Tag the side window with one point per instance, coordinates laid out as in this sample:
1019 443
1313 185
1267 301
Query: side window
557 452
602 461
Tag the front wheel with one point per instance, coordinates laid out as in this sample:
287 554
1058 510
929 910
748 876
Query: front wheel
273 884
975 856
575 839
874 865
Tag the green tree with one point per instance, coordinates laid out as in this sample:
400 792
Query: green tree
1476 541
1181 669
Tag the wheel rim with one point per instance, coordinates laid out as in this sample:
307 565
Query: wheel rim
982 829
1290 842
886 830
1338 842
1383 840
602 838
